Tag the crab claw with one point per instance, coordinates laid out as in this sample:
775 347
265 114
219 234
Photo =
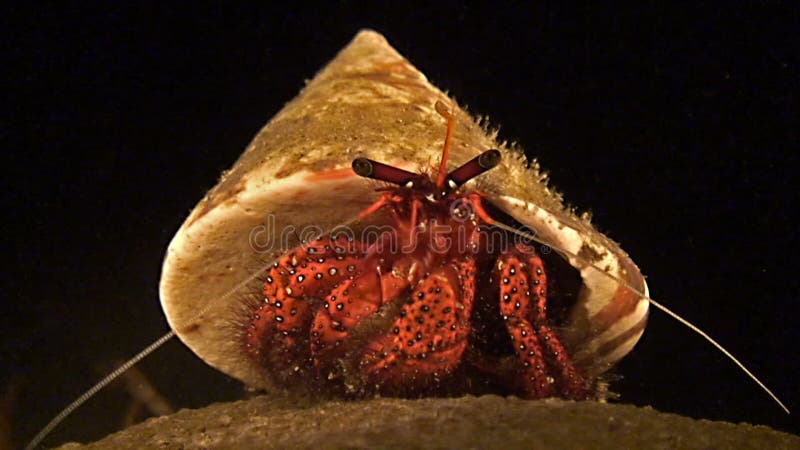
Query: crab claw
429 336
278 330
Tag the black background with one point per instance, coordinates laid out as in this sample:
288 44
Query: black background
677 127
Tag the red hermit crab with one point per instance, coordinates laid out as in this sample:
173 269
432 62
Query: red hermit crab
458 271
391 308
297 271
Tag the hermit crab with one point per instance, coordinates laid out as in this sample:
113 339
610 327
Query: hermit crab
375 239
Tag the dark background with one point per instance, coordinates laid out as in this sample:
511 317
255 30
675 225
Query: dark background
676 127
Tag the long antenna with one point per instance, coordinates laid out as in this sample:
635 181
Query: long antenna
719 347
441 108
94 389
127 365
661 307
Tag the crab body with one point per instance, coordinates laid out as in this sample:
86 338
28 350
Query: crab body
396 311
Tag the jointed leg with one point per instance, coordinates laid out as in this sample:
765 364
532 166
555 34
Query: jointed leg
523 305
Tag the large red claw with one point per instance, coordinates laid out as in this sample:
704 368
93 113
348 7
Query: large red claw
278 331
347 305
428 338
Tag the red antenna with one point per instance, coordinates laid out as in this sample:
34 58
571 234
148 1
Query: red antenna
441 108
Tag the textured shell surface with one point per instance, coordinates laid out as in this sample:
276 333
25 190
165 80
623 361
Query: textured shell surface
295 180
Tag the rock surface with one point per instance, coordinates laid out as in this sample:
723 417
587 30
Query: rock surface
469 422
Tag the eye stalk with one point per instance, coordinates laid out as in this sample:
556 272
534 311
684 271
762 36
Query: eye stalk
368 168
474 167
444 183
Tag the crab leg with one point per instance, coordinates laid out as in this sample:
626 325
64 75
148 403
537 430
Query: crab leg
523 305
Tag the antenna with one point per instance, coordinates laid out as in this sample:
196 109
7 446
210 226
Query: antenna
443 111
95 389
127 365
661 307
